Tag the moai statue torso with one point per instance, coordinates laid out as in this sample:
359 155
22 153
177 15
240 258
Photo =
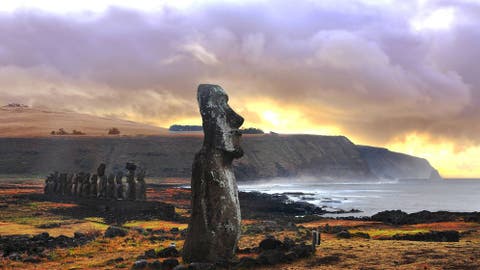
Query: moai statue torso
102 181
111 186
75 185
80 176
63 183
119 185
93 186
49 185
86 185
214 227
68 188
141 188
56 183
131 189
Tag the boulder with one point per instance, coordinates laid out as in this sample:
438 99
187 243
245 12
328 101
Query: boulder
344 235
155 265
303 251
169 264
168 252
201 266
270 243
271 257
113 231
31 259
140 264
247 262
150 254
394 217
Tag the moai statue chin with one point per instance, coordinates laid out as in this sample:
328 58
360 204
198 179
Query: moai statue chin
214 227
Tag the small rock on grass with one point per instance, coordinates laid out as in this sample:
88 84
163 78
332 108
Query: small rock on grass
169 264
140 264
168 252
113 231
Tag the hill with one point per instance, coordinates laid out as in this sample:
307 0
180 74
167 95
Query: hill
266 156
391 165
18 120
27 148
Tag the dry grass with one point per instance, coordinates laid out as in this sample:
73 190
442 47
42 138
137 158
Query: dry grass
34 122
355 253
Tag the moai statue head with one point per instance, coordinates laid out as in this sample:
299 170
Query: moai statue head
220 123
131 167
101 170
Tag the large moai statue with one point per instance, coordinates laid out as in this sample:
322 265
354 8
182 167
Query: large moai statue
56 183
110 186
141 185
86 185
62 178
80 176
93 186
75 185
102 181
49 185
119 186
214 227
131 189
68 187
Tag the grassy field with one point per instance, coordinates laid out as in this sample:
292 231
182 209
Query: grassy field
22 216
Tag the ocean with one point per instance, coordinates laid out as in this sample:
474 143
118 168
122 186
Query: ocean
459 195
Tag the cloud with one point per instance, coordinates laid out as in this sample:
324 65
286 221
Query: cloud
361 66
199 52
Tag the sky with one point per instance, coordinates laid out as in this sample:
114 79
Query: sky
393 73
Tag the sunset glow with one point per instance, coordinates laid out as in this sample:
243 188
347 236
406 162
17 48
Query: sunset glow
391 73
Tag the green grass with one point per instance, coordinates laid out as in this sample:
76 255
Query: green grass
375 233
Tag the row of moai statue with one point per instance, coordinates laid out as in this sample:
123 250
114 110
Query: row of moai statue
99 185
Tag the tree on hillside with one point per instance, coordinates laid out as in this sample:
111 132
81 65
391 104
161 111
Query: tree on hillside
113 131
185 128
77 132
252 130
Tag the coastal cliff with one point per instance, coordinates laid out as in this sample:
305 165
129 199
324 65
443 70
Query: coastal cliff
386 164
266 156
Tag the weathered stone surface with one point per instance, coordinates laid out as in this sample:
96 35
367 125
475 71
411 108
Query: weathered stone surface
113 231
35 245
140 264
131 190
111 186
119 185
270 243
214 228
141 185
93 186
344 235
169 264
102 181
168 252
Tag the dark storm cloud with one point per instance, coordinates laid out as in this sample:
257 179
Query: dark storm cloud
358 66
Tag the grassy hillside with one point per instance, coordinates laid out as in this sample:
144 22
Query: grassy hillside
33 122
